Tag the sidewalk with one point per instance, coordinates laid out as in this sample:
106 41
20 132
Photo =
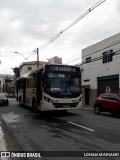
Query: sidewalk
2 144
87 108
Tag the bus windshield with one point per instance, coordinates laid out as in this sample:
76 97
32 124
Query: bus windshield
62 83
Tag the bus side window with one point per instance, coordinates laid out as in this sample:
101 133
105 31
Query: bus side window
20 84
31 83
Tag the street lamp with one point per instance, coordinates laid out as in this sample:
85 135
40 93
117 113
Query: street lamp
36 51
20 54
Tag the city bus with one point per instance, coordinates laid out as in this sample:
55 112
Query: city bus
50 87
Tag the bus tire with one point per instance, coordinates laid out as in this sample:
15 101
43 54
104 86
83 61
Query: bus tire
20 103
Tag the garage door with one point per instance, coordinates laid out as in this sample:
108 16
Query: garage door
108 84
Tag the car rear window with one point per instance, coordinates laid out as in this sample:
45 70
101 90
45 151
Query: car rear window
2 95
105 96
110 97
114 97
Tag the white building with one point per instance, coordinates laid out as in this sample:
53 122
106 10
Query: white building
100 69
28 66
55 60
6 82
2 81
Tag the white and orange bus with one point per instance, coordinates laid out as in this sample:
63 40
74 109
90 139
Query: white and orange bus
50 87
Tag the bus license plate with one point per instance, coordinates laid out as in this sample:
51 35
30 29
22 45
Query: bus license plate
65 106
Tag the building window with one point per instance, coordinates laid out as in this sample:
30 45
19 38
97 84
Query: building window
29 68
108 56
86 80
88 59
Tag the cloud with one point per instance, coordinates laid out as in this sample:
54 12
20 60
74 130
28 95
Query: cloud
42 19
27 24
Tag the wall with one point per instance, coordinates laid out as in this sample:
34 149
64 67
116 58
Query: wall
92 70
55 60
24 69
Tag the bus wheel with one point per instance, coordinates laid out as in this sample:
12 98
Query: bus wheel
20 103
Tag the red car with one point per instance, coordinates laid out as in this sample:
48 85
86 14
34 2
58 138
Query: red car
108 102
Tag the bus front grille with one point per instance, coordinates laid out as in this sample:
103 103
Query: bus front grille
68 105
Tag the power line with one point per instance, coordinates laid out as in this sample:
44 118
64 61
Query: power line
101 49
99 58
52 39
94 52
32 53
85 36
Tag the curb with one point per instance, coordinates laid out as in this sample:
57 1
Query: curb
87 108
2 144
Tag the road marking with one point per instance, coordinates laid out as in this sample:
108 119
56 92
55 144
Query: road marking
81 126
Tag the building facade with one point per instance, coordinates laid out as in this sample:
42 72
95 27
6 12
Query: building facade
29 66
7 83
2 81
100 69
55 60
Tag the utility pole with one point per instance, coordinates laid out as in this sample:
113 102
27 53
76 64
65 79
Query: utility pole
37 57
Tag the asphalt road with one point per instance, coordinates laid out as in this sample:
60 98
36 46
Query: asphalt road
73 131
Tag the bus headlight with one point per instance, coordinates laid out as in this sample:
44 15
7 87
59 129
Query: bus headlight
74 101
80 100
77 101
48 100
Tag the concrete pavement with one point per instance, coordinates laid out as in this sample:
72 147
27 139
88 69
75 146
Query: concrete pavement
2 144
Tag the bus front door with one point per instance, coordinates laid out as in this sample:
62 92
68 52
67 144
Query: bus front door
38 90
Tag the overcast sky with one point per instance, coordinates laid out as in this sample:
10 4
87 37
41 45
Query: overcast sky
28 24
